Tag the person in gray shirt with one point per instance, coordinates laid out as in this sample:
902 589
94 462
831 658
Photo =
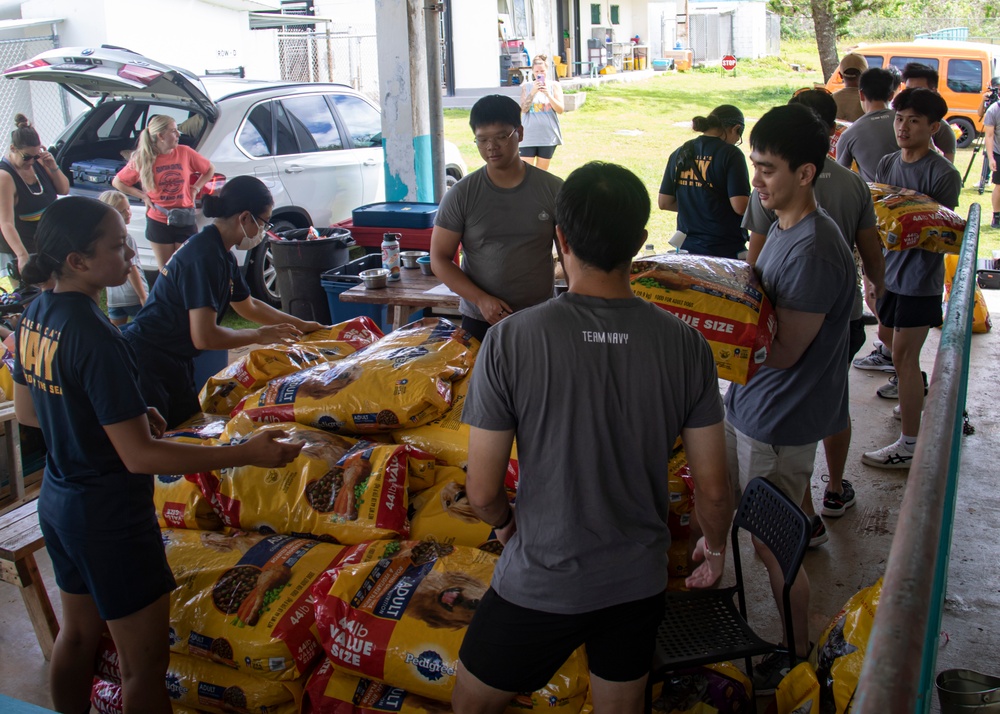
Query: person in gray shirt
798 396
846 198
922 76
596 385
871 137
503 215
914 278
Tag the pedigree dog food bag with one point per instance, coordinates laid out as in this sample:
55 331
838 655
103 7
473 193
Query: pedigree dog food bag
719 297
243 600
401 620
681 489
223 392
403 380
907 219
178 498
337 489
443 513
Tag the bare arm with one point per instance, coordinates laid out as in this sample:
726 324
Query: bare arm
132 191
757 241
555 95
739 203
706 454
24 408
489 452
135 280
7 226
142 454
260 312
527 94
989 148
796 331
872 258
666 202
59 179
207 335
203 179
444 243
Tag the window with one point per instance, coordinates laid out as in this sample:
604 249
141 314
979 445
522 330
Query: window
255 136
107 129
965 76
595 14
901 62
313 124
614 15
286 143
362 120
874 61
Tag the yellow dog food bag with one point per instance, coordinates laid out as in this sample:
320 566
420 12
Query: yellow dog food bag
443 513
798 691
719 297
403 380
401 620
243 600
223 392
337 489
906 219
681 490
178 498
981 322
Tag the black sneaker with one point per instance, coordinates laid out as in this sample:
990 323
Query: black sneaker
996 221
836 504
817 534
769 672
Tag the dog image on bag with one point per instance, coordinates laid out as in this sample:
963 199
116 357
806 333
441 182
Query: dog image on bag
456 503
447 599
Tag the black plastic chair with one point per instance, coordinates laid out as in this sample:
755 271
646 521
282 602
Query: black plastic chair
704 626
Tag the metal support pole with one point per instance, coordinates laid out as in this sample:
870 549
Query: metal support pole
432 29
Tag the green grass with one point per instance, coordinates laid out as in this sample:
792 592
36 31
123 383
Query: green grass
655 116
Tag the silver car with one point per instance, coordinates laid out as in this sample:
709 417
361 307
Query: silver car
317 147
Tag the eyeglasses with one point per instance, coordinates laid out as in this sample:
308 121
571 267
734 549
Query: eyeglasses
818 88
267 226
28 158
496 141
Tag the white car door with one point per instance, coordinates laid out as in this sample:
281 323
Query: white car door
363 124
312 163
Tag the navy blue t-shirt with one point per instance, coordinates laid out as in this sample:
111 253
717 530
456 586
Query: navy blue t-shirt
202 273
704 212
82 376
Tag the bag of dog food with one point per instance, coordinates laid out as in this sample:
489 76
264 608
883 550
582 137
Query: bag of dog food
243 599
719 297
443 513
447 438
401 620
840 650
798 691
681 489
837 133
709 689
202 685
907 219
981 322
178 498
337 489
403 380
223 392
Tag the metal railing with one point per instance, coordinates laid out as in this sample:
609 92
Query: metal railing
898 673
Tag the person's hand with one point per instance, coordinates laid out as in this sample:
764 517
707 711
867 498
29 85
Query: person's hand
493 309
505 534
708 573
22 260
282 332
146 200
993 163
878 290
157 424
310 326
48 161
270 449
541 87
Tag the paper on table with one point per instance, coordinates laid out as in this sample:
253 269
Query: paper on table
441 289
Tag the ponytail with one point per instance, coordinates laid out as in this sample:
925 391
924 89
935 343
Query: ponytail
70 225
144 156
39 268
703 124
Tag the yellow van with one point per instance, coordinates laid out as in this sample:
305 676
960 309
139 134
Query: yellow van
964 70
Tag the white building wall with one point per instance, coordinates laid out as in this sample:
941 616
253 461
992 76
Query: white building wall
475 44
750 30
662 22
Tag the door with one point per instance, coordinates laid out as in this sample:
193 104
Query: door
312 163
363 125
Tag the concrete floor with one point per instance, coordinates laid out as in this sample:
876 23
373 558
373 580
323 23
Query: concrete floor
854 557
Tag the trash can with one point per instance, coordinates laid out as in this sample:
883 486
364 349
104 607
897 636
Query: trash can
299 264
962 691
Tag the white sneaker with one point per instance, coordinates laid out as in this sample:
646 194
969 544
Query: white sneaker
888 457
877 360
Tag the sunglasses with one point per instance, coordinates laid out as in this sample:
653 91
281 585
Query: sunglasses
28 158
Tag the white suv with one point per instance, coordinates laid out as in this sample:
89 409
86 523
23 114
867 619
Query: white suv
318 147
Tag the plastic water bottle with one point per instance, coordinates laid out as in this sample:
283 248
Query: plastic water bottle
650 251
390 255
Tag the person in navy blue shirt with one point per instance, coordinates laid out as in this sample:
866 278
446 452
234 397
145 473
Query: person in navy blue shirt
192 293
75 377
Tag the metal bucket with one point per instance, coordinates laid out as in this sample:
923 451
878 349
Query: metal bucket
962 691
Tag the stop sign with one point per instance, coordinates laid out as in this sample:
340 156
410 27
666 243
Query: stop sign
729 62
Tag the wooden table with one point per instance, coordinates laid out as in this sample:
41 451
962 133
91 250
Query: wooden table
404 296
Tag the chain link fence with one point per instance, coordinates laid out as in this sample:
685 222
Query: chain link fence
44 103
874 28
349 58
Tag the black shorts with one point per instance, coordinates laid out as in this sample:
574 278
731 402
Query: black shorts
996 174
157 232
516 649
542 152
855 338
165 381
476 328
122 572
896 310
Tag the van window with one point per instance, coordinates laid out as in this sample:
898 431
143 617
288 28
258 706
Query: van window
874 61
901 62
362 120
965 76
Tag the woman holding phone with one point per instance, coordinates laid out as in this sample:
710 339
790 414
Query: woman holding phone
541 105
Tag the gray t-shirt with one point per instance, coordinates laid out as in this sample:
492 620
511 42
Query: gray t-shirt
843 195
918 272
866 141
541 123
597 392
992 118
807 268
507 235
945 139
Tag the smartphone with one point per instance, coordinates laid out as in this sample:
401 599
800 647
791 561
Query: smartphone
541 77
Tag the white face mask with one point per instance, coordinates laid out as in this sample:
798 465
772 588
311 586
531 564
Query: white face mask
251 242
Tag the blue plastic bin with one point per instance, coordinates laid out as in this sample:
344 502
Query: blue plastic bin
345 277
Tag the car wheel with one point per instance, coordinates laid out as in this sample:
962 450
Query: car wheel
968 130
449 181
261 274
